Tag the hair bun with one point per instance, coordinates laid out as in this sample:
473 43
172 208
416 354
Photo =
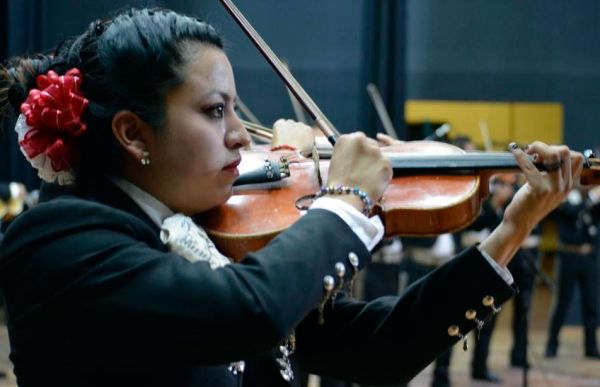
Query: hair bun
18 77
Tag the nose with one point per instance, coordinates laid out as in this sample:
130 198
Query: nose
236 136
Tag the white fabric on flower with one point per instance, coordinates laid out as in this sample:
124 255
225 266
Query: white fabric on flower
185 238
41 162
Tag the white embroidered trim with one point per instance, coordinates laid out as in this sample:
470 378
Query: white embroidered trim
184 237
41 162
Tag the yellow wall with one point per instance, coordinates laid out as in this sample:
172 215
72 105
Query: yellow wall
506 121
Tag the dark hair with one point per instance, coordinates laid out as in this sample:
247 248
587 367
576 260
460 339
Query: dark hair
128 62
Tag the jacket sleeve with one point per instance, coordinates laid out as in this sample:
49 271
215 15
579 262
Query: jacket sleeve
102 287
391 339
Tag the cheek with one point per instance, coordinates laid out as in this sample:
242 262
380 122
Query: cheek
197 151
198 159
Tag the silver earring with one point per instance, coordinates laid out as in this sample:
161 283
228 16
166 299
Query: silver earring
145 160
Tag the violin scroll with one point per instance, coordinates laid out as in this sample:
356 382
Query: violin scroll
591 171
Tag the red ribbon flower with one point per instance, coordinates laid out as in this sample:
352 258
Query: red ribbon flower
53 112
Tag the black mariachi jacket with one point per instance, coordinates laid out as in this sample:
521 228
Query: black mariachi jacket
95 299
576 221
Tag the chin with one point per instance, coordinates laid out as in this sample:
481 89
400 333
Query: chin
226 195
195 210
221 198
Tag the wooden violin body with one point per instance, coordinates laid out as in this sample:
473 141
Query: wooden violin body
412 205
437 188
254 215
431 204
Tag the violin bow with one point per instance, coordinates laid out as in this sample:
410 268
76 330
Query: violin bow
295 104
280 69
247 112
381 110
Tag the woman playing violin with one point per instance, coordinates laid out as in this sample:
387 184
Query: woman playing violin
110 283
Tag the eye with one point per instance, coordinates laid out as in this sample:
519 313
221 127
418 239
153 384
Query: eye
215 111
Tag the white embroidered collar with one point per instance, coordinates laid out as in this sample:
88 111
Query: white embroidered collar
177 231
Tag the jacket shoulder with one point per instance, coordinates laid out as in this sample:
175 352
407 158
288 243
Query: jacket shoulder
67 215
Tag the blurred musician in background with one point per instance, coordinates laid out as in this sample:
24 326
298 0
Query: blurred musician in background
577 220
14 198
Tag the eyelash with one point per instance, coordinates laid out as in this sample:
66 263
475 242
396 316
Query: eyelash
216 111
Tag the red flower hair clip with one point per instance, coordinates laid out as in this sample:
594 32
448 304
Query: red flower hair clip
50 122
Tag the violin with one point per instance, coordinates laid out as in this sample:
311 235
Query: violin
437 188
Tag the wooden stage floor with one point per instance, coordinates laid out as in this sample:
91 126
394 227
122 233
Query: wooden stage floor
569 369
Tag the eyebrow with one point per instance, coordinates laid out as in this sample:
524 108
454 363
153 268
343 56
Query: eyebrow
226 96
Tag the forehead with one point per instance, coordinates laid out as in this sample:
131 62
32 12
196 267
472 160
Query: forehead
206 66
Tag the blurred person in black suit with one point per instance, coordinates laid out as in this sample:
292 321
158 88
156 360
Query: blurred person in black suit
577 219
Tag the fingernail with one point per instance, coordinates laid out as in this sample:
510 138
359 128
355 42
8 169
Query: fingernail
513 146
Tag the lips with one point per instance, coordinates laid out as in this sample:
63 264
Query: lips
234 164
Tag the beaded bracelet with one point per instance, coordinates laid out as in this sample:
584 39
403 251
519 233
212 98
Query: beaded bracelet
345 190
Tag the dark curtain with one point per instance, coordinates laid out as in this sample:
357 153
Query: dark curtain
23 22
384 62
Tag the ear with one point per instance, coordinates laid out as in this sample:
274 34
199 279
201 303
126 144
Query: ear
132 132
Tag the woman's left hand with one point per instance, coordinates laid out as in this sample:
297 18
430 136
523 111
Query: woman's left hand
292 133
544 190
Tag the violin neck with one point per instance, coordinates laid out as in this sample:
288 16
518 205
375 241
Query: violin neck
404 164
475 162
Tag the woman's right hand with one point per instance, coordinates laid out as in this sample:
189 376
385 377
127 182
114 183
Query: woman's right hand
357 161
